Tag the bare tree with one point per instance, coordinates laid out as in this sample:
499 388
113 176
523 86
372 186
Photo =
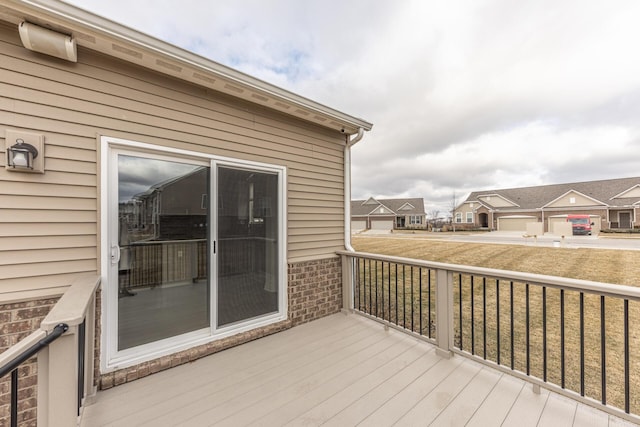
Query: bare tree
433 217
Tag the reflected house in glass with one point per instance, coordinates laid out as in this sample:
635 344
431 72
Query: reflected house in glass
165 211
207 203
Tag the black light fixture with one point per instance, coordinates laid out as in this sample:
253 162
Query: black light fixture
21 155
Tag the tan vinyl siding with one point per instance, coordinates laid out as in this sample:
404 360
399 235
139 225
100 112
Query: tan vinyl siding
49 223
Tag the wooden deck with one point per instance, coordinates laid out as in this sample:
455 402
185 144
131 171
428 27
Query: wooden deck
342 370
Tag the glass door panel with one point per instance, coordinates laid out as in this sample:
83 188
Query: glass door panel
247 260
163 223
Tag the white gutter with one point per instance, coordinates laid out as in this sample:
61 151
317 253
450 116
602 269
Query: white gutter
347 189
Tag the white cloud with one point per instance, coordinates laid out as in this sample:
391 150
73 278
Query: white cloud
463 95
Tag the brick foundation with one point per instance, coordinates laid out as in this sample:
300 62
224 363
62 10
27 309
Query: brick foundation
17 321
314 290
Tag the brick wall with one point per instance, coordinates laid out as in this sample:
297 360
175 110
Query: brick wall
17 321
315 289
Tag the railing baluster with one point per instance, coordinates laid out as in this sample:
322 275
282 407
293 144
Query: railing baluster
528 329
473 321
581 343
412 300
376 288
81 356
429 297
396 294
562 368
603 353
484 318
626 358
498 320
404 297
460 308
420 299
382 290
389 290
512 324
14 398
370 285
544 333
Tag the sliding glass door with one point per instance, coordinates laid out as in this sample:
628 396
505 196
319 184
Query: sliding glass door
195 251
163 222
247 267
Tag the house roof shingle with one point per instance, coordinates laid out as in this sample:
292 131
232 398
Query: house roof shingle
530 198
412 206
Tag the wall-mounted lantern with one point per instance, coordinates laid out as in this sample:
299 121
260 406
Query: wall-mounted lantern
25 152
21 155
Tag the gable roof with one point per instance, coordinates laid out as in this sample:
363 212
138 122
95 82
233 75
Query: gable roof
602 192
413 206
103 35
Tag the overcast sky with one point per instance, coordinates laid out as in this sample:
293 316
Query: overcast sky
464 95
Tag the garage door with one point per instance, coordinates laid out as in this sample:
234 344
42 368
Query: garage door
382 224
358 226
518 223
556 220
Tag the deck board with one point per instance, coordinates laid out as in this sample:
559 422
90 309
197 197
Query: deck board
341 370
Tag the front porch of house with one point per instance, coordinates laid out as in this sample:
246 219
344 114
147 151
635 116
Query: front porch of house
337 371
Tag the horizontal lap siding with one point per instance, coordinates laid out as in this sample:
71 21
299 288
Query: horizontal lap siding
49 222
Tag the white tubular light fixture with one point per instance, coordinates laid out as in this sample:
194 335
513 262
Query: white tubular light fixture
49 42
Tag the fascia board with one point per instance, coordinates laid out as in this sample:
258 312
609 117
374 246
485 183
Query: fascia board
98 33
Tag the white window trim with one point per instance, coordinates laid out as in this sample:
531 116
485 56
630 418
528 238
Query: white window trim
469 217
111 359
458 217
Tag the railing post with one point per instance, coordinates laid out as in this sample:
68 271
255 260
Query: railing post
444 313
57 406
347 283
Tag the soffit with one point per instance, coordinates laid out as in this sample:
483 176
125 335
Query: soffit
110 38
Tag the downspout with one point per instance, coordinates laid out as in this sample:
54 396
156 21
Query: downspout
347 189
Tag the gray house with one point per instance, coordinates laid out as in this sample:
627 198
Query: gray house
612 203
387 214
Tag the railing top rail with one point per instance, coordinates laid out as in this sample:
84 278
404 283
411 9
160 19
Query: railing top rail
23 345
587 286
72 307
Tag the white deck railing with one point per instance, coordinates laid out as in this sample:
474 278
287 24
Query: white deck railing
65 366
569 336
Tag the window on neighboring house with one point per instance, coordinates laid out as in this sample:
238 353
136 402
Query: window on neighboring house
458 217
415 219
469 216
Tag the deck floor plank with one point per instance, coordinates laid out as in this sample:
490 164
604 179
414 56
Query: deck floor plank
227 397
342 370
369 402
498 402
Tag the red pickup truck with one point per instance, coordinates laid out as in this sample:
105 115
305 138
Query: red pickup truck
581 224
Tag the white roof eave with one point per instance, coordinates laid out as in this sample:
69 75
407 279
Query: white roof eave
103 35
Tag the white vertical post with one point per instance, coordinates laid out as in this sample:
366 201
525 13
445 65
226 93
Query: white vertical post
58 382
347 283
444 313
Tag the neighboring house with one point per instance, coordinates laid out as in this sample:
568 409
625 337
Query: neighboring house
192 190
612 203
387 214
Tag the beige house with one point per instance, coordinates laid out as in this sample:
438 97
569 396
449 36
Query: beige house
195 195
611 204
387 214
